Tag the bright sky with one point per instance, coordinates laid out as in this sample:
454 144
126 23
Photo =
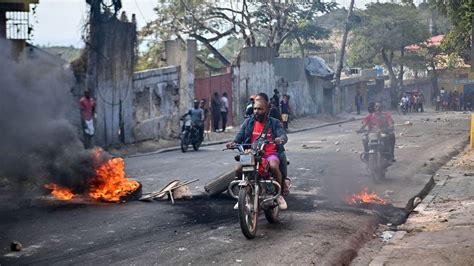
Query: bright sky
60 22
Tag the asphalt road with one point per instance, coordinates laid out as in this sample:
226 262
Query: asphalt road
326 168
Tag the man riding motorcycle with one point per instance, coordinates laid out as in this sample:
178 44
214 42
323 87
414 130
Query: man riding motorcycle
252 131
197 117
376 122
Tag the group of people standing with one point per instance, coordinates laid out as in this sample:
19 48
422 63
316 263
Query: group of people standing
413 102
454 101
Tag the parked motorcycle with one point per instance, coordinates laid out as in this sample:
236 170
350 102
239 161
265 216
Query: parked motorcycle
189 135
378 158
256 190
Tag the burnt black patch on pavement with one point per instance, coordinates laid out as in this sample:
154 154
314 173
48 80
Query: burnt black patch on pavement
203 209
387 213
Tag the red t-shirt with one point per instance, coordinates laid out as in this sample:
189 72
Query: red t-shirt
86 106
381 120
257 129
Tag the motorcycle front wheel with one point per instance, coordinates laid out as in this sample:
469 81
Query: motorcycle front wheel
184 141
247 216
373 167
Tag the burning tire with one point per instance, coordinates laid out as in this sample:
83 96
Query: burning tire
134 195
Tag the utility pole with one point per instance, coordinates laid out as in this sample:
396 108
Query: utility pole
337 90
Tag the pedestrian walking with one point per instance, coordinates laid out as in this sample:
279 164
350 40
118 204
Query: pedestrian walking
422 102
285 110
224 110
87 106
203 106
216 111
438 102
358 101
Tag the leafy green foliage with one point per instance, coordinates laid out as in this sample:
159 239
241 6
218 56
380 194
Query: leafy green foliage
255 23
383 33
459 13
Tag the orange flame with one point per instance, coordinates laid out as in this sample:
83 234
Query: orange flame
61 193
365 197
110 182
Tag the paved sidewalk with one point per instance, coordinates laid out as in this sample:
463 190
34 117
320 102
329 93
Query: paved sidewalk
440 231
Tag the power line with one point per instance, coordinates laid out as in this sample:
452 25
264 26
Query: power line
140 11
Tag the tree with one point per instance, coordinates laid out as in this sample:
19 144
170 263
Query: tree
460 14
257 23
382 35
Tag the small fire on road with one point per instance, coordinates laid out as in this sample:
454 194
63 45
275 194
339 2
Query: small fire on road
365 197
109 183
59 192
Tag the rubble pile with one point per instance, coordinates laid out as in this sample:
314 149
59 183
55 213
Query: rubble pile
466 162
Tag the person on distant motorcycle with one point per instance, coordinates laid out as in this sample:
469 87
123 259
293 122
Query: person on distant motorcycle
379 121
251 131
197 117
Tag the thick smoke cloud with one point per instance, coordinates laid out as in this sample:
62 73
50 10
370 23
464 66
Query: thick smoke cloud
38 144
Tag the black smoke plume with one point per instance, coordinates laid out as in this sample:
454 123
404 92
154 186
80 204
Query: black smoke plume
38 144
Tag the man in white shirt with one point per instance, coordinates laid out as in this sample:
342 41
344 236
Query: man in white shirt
224 110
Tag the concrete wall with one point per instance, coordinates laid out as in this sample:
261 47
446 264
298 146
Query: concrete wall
253 74
183 54
110 63
306 91
156 99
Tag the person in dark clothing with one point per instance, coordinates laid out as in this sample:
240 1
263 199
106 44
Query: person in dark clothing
371 107
274 110
358 102
216 111
197 117
249 108
202 105
276 98
285 111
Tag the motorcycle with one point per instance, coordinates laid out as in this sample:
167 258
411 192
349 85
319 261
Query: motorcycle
189 135
378 158
403 107
256 189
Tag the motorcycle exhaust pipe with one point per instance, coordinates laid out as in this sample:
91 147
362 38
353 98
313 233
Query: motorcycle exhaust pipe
230 189
278 187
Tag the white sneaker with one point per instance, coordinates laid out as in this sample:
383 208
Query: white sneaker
236 206
282 203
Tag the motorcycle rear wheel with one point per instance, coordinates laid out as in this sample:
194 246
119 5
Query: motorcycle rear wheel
248 218
196 146
272 214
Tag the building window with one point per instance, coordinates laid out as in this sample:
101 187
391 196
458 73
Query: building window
18 26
